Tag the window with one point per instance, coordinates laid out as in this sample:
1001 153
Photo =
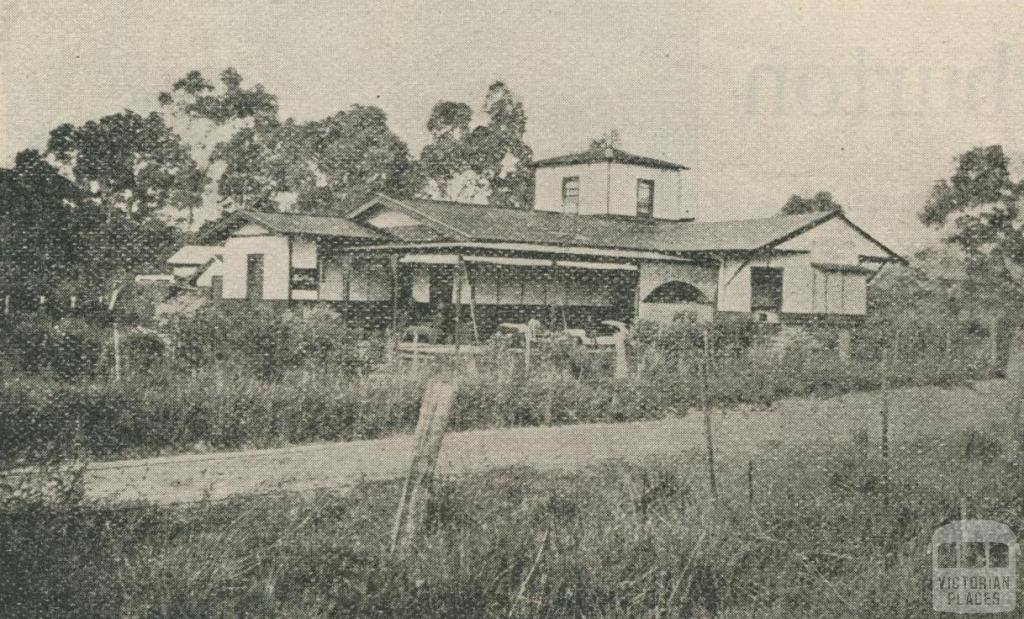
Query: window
765 289
304 279
644 198
676 292
571 194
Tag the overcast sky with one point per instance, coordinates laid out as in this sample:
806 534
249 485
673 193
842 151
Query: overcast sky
868 100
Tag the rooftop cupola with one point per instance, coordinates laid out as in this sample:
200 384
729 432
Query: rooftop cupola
609 181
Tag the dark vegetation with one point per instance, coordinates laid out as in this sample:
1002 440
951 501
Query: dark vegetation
832 530
241 376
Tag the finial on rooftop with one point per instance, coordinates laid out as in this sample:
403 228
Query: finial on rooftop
609 152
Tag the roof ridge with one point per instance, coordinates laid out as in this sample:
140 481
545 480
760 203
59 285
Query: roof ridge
293 214
432 220
609 154
816 215
606 216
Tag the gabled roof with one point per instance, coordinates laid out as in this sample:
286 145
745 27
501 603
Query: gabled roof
194 255
295 223
459 221
473 222
608 154
740 234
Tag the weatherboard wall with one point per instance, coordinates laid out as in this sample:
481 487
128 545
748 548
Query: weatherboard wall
274 250
805 288
610 189
593 187
668 186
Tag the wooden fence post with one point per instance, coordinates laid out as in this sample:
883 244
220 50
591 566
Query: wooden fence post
705 405
1015 374
116 333
527 345
845 342
750 482
993 344
621 367
117 353
435 410
887 362
549 397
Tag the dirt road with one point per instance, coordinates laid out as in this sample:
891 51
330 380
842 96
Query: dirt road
186 478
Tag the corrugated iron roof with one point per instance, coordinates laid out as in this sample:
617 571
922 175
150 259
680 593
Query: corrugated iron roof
737 235
314 225
608 154
486 223
462 222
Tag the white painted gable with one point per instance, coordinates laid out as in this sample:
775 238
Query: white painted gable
834 241
390 218
251 229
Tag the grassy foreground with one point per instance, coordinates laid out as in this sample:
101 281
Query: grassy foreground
826 528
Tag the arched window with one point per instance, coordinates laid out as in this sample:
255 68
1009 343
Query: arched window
676 292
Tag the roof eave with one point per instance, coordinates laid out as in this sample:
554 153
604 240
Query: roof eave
895 256
551 163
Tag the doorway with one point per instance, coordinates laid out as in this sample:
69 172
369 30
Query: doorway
254 277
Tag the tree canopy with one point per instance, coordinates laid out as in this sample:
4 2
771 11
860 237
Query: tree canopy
609 139
131 162
490 160
107 195
979 208
821 202
330 165
208 115
58 240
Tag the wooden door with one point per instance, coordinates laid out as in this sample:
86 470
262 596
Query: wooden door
254 277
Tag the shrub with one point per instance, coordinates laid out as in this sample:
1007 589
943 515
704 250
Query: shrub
143 351
35 343
267 342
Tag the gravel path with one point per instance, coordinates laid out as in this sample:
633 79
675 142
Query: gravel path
185 478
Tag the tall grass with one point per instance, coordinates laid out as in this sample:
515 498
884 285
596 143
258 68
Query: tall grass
330 389
620 539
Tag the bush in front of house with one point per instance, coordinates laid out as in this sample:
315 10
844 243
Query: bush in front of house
321 385
35 343
41 416
267 342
